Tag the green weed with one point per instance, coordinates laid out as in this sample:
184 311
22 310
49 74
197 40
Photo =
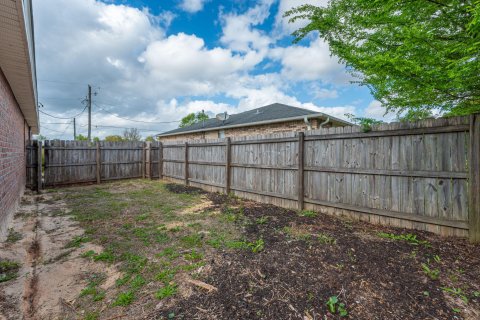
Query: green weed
77 241
8 270
431 273
262 220
308 214
325 239
167 291
124 299
335 306
410 238
169 253
192 240
457 292
105 256
193 255
88 254
13 236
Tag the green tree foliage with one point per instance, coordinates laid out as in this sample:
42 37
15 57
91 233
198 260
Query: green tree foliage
192 118
421 55
81 137
114 138
150 139
364 123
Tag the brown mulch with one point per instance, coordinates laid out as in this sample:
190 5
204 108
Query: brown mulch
178 188
375 278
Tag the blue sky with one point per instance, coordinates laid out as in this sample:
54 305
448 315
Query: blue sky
152 62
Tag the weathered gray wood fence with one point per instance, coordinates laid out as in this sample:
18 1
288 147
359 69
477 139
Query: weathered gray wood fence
423 175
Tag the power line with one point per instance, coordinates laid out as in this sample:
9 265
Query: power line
52 130
133 119
146 130
69 118
60 81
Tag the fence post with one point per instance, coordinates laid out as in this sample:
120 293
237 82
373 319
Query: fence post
143 160
300 172
46 154
99 163
39 166
160 160
149 159
228 156
186 163
474 179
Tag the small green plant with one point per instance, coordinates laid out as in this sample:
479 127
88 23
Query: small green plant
166 275
88 254
257 246
137 282
8 270
169 253
308 214
335 306
457 292
142 217
431 273
192 240
410 238
92 288
105 256
175 229
326 239
124 299
77 241
261 220
167 291
193 256
13 236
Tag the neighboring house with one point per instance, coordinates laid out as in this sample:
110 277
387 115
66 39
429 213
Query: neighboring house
18 101
273 118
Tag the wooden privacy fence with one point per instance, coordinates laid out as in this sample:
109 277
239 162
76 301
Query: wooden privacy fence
422 175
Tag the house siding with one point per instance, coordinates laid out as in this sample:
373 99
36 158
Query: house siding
289 126
13 135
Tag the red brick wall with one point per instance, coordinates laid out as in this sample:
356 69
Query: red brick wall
13 133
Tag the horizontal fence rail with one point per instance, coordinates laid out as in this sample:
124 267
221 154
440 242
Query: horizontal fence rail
422 175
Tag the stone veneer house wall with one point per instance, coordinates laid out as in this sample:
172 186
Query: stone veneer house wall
274 118
18 102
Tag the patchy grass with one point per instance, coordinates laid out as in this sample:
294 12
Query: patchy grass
77 241
13 236
151 236
263 262
8 270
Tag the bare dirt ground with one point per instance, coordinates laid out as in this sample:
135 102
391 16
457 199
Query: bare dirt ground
50 277
147 250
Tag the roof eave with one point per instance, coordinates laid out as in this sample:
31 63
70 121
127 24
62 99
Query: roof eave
258 123
18 59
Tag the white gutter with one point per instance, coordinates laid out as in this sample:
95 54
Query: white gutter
252 124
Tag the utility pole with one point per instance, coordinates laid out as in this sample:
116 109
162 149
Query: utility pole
74 130
89 101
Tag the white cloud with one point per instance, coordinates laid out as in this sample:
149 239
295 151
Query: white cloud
312 62
192 6
239 33
282 24
322 93
139 73
377 111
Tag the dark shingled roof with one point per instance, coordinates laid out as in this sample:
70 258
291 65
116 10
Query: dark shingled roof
268 113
